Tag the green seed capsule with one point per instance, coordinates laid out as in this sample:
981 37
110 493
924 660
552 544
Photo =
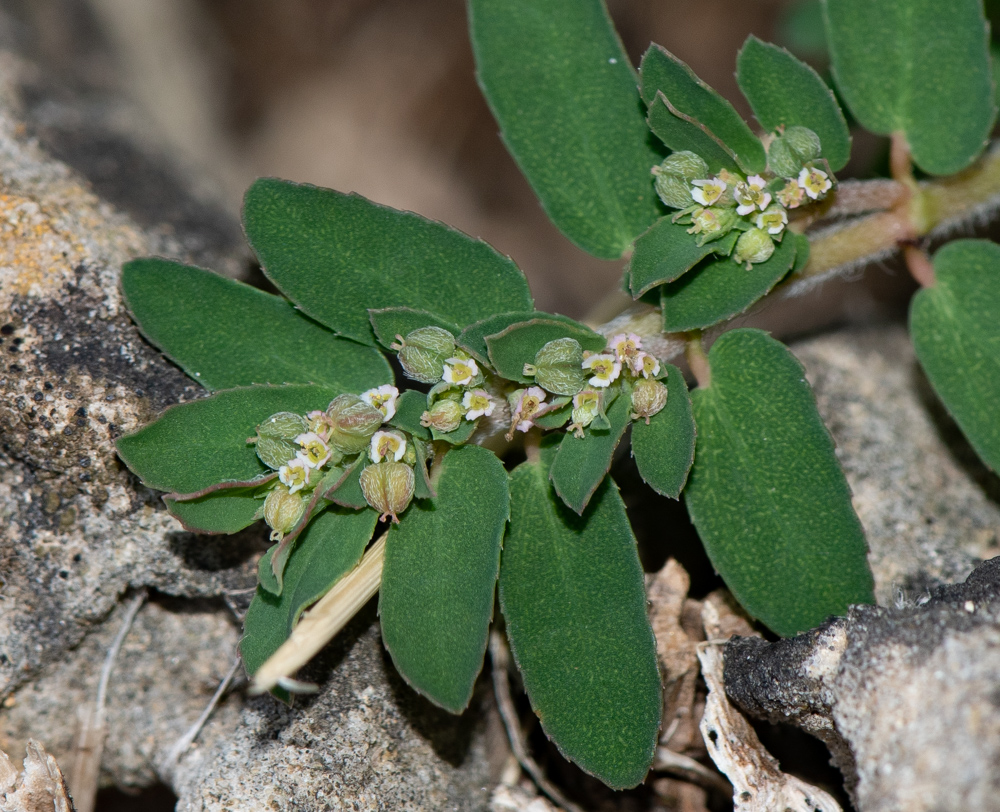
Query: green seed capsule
274 453
753 246
672 189
283 426
282 510
352 423
792 150
686 164
559 367
649 396
445 415
388 488
423 352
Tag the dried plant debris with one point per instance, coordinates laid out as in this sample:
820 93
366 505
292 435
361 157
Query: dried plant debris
38 788
758 783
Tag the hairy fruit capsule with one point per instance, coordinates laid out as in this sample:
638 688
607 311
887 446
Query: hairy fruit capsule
649 396
423 352
388 488
352 423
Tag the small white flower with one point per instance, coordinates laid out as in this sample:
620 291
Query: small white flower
384 399
773 220
460 371
606 369
314 451
751 195
387 444
527 406
477 403
814 181
295 474
626 346
646 365
708 191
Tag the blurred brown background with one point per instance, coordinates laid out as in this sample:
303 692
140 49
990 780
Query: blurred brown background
373 96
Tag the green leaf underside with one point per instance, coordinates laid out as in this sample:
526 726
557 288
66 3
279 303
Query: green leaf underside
555 418
571 591
473 337
802 251
784 91
664 450
517 345
561 87
348 493
666 252
956 335
582 463
226 511
917 66
337 255
422 488
224 333
390 322
410 405
766 492
195 445
717 290
662 72
441 566
681 134
330 547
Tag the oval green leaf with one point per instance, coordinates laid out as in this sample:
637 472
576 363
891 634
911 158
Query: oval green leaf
410 406
785 92
441 565
720 289
666 252
224 333
571 590
193 446
956 334
473 337
517 345
683 133
662 72
389 322
917 66
327 549
337 255
766 492
664 449
564 93
226 511
582 462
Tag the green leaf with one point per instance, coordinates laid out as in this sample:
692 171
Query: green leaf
517 345
766 493
224 333
390 322
422 488
917 66
327 549
556 418
682 133
458 436
664 450
802 251
441 565
666 252
338 255
582 463
561 87
410 405
956 334
196 445
348 493
718 290
473 337
571 590
224 511
783 91
662 72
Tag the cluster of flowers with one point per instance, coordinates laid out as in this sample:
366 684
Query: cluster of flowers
756 206
314 452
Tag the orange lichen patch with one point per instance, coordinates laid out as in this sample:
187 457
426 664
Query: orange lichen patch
36 257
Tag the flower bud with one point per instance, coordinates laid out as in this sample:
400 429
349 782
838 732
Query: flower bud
283 426
559 367
423 352
445 416
649 396
712 223
388 487
352 423
753 246
282 511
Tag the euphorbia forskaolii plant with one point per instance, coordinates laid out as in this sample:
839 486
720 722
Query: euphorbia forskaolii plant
307 429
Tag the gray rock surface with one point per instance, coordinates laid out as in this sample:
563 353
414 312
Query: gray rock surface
906 697
929 508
